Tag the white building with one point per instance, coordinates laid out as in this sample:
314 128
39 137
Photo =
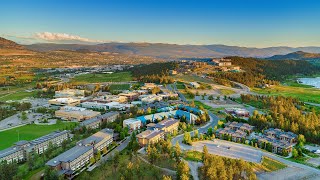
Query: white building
64 102
195 85
94 105
69 93
132 124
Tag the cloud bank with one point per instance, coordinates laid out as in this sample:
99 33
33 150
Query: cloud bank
48 36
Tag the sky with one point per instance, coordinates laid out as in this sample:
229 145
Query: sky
248 23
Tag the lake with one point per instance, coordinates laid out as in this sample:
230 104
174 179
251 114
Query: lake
311 81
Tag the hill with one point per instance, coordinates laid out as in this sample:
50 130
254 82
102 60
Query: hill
8 48
298 55
174 50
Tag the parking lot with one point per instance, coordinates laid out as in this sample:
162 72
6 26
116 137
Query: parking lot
229 150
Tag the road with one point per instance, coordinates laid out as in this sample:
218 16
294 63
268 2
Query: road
122 145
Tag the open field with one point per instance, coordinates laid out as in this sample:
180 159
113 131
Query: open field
96 78
226 92
192 78
304 94
17 95
114 87
29 132
271 164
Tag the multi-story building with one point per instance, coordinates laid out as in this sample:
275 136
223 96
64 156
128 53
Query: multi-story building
94 123
69 93
15 153
131 96
75 113
132 124
150 137
64 102
167 126
94 105
148 86
99 140
19 151
42 144
72 160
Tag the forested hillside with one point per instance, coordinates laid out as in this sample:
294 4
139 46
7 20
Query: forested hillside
258 72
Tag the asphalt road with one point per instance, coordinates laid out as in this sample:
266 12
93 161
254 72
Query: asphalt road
122 145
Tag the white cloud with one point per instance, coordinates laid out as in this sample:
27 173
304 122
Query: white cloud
48 36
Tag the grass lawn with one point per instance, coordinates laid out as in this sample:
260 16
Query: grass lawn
96 78
193 156
199 103
226 92
304 94
271 164
180 85
17 95
29 132
115 87
192 78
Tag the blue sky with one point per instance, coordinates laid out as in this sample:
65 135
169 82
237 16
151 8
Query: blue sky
253 23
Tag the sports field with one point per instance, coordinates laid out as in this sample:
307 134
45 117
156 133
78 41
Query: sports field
302 93
97 78
29 132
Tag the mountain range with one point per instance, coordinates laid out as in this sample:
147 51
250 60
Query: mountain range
298 55
174 50
168 50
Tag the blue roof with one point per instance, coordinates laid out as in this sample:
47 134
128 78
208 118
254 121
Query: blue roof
142 119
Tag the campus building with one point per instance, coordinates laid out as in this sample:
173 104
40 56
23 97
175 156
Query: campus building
72 160
95 122
150 137
19 151
69 93
167 126
132 124
64 102
41 144
94 105
75 113
99 140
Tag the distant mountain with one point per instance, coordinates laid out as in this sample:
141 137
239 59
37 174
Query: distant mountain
298 55
174 50
7 44
8 48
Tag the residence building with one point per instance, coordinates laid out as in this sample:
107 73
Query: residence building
132 124
150 137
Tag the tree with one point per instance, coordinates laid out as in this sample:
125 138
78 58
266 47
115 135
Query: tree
115 159
210 97
24 116
205 154
164 177
177 152
196 133
183 170
187 138
295 153
301 141
50 174
210 131
153 153
149 110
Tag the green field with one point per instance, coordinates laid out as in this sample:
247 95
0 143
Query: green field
302 93
192 78
115 87
226 91
29 132
271 164
97 78
17 95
